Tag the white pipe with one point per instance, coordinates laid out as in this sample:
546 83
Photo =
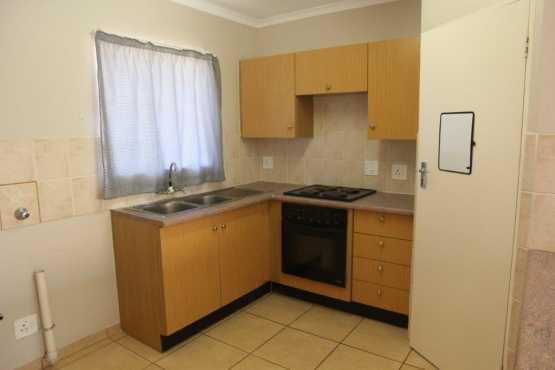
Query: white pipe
46 317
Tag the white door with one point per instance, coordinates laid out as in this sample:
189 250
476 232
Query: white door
464 224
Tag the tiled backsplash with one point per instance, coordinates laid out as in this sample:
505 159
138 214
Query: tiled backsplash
338 150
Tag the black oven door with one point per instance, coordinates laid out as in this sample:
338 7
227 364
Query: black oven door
314 252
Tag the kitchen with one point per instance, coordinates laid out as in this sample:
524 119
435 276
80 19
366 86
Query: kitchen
305 89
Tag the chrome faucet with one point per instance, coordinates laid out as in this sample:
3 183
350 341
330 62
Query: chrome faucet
172 171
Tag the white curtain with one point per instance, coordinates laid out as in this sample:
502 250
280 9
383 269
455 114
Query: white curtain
158 105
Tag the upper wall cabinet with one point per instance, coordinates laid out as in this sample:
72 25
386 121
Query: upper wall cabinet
332 71
269 107
393 86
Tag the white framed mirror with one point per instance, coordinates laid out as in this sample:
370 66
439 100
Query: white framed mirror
456 142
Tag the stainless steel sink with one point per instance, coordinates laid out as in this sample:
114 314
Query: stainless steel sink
168 207
207 200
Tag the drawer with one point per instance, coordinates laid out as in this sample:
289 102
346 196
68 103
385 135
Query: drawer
383 224
382 273
390 299
383 249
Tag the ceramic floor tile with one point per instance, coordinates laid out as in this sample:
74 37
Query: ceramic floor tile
111 357
327 323
141 349
418 361
408 367
279 308
115 332
347 358
80 352
382 339
203 353
296 350
256 363
245 331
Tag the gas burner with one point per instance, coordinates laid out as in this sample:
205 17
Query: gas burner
340 193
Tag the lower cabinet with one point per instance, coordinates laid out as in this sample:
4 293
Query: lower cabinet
170 277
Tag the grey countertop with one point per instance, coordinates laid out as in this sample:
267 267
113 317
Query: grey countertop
380 202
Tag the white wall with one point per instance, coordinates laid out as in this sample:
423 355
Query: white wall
47 90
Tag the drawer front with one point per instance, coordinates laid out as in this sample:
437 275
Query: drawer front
390 299
382 273
383 249
383 224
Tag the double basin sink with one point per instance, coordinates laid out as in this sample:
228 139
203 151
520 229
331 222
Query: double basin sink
196 201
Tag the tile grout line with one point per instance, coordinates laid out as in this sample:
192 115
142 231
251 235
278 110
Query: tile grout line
338 344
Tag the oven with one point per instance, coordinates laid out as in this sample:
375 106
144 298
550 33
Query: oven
314 243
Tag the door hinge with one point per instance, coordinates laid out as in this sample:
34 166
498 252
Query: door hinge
527 48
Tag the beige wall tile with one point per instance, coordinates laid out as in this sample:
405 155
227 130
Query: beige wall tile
82 157
55 199
86 198
51 158
542 229
16 161
15 196
295 170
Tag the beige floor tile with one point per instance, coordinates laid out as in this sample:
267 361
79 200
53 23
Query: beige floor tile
68 359
141 349
279 308
381 339
296 350
408 367
115 332
153 367
347 358
327 323
256 363
418 361
111 357
245 331
203 353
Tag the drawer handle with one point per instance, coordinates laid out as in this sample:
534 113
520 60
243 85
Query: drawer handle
381 243
380 268
328 87
381 219
223 226
379 292
372 127
214 228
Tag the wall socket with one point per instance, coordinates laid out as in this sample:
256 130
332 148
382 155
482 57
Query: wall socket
371 168
267 163
399 171
26 326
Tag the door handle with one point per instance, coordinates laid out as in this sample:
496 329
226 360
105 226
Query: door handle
423 174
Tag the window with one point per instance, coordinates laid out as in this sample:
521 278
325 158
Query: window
158 105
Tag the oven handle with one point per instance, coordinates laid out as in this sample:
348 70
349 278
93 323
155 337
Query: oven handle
293 226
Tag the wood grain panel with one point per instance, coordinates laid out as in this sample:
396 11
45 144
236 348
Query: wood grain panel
381 273
391 299
383 249
393 89
138 273
332 71
384 224
191 272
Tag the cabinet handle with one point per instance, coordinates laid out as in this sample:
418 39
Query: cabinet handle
214 228
328 87
379 292
372 127
381 219
380 268
223 226
290 127
381 243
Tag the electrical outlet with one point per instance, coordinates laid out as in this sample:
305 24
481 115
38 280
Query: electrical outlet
267 163
399 171
26 326
371 168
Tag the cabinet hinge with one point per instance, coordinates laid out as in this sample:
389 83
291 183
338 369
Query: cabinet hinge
527 47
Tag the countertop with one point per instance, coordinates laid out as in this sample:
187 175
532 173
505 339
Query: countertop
402 204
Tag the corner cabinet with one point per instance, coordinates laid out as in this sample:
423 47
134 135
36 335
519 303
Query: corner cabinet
332 71
393 89
170 277
269 106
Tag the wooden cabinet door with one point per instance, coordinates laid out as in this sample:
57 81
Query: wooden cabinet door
393 89
268 97
244 251
191 272
331 71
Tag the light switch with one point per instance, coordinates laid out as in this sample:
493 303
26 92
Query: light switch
267 163
371 168
399 171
